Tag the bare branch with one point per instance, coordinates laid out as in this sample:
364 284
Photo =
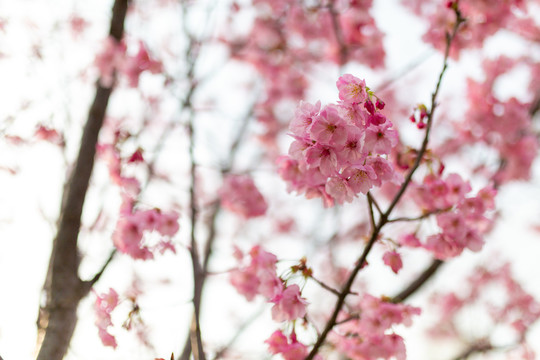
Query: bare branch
420 217
418 282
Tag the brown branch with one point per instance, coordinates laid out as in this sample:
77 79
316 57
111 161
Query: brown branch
90 283
324 286
420 217
370 209
63 287
418 282
384 217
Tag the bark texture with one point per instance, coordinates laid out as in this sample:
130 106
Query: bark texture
63 287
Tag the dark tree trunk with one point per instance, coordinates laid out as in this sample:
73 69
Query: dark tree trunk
63 287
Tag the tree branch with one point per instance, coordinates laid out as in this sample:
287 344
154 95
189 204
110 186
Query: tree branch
384 217
418 282
420 217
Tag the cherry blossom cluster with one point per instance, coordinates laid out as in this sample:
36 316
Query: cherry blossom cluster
515 309
482 21
105 303
259 277
240 195
462 219
340 150
368 334
114 58
132 226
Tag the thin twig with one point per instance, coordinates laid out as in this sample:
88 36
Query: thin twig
347 319
324 286
98 275
372 199
420 217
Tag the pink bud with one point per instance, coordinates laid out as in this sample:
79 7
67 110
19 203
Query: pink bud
369 106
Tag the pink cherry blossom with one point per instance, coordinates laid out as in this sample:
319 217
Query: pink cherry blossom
381 139
303 118
257 277
329 128
240 195
352 90
289 347
289 305
338 188
323 157
134 66
105 303
369 337
410 240
246 282
360 178
393 260
109 60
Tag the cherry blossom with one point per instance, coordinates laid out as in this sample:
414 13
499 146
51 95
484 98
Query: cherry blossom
240 195
105 303
288 305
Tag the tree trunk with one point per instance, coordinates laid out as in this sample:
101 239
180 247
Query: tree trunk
63 287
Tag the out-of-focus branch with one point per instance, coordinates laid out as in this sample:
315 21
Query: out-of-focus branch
338 32
420 217
480 346
418 282
212 222
63 287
